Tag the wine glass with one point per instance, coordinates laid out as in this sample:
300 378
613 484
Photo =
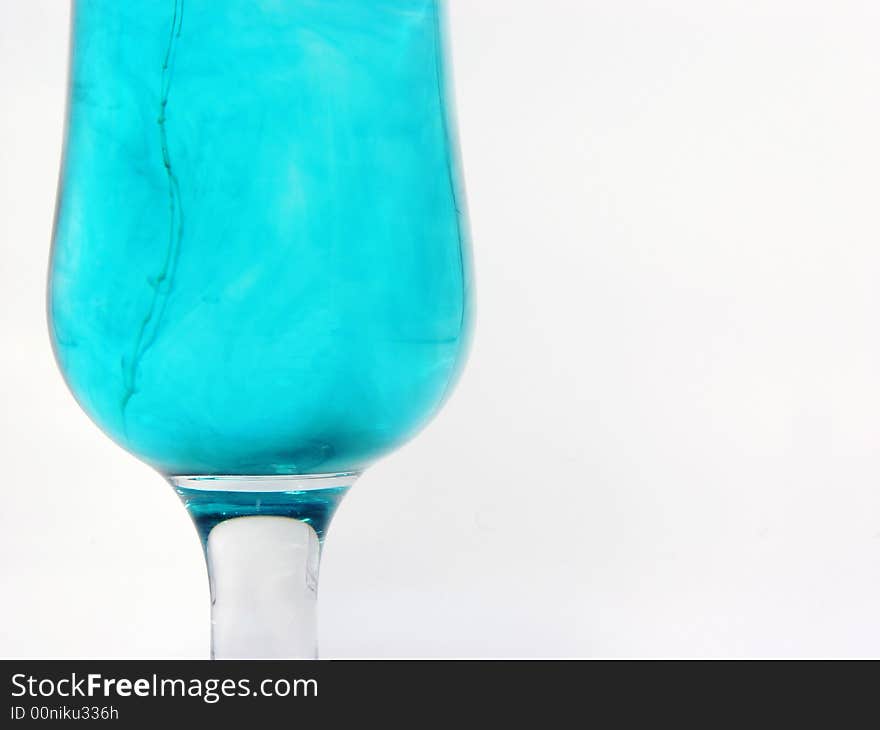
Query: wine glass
260 276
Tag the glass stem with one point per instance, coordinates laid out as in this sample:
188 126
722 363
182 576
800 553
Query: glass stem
263 573
262 540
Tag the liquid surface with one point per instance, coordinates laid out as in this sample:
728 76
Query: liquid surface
260 263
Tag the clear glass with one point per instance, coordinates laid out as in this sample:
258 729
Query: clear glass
260 275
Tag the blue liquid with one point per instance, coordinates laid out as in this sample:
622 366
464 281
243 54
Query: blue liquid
315 507
261 261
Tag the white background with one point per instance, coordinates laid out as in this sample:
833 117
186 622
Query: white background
666 441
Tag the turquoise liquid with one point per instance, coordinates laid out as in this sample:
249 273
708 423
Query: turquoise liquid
315 507
260 261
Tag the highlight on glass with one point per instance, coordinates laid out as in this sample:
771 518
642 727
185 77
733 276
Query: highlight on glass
260 279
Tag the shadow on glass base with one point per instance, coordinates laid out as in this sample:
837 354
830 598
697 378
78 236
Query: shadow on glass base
262 538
